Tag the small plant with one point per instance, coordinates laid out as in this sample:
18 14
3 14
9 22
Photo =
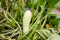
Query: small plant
28 20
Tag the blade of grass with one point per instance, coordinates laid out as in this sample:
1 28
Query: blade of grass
16 23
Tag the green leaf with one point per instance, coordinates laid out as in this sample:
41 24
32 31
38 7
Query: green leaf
51 3
11 23
28 4
54 21
2 3
41 2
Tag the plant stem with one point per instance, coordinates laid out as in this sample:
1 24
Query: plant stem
16 23
45 19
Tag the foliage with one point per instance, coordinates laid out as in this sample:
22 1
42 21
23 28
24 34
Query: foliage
43 24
